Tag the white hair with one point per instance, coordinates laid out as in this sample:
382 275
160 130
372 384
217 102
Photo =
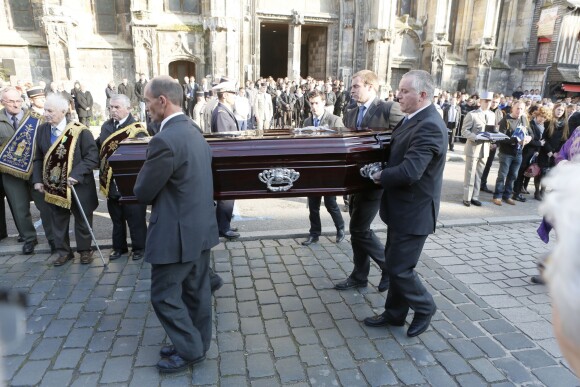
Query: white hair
123 98
57 101
561 208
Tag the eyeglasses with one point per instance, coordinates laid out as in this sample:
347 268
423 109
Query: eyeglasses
11 101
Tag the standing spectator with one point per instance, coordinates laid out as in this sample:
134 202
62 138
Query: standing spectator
518 93
299 106
242 109
287 100
139 93
330 98
84 105
52 175
109 92
187 94
127 89
197 114
515 125
194 87
74 92
341 100
181 231
476 151
263 108
321 117
542 116
251 93
452 116
499 115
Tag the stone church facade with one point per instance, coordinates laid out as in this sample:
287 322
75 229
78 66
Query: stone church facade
474 45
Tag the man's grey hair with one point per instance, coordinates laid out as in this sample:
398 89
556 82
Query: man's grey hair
6 90
166 86
57 101
125 101
421 81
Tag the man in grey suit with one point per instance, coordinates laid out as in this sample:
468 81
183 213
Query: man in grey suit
412 183
176 179
320 117
369 112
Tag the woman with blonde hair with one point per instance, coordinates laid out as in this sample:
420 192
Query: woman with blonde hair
541 116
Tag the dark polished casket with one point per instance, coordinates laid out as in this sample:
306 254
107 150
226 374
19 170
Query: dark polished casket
277 163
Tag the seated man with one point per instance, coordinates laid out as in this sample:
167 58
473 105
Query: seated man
320 117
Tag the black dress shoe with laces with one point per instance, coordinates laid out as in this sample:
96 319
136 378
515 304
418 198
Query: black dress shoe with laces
20 239
485 189
420 323
381 321
311 239
215 281
519 198
116 254
339 235
466 203
476 202
350 283
230 234
28 247
137 255
176 363
167 351
384 284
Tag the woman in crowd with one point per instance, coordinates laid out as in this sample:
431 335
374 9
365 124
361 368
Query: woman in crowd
540 117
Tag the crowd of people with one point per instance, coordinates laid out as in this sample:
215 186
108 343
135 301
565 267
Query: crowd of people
49 156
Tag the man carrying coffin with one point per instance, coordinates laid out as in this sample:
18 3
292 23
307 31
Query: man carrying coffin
66 155
18 136
120 126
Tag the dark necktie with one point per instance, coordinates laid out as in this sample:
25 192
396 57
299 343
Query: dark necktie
116 123
361 113
316 122
15 122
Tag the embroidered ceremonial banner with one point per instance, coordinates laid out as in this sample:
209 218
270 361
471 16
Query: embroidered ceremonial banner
17 155
58 162
109 146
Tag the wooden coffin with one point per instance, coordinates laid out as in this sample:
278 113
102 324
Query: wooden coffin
278 163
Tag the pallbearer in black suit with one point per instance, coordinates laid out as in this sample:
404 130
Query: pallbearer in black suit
223 120
320 117
120 126
176 179
367 111
412 183
66 155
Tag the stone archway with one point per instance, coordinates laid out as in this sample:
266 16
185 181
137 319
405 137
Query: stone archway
181 68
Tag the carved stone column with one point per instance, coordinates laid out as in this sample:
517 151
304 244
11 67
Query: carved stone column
145 47
434 55
480 60
217 28
379 41
59 27
294 45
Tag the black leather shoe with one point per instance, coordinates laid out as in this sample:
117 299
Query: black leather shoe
167 351
420 324
381 321
137 255
234 229
384 284
20 239
339 235
476 202
215 281
519 198
537 279
485 189
350 283
230 234
311 239
28 247
116 254
466 203
176 363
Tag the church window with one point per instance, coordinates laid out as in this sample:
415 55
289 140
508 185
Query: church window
407 7
22 18
106 14
183 6
543 50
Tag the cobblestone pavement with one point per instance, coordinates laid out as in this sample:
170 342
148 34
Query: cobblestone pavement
278 321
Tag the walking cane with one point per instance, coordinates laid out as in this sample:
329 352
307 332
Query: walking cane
72 188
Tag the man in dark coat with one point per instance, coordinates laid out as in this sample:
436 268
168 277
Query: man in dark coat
371 112
412 183
85 156
139 94
122 215
127 89
223 120
84 105
176 179
320 117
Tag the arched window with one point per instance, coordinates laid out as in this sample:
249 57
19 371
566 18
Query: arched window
183 6
106 15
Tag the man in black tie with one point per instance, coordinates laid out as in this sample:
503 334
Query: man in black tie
122 215
369 112
412 183
320 117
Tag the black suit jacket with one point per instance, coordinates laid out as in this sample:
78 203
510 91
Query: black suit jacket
84 101
86 158
413 177
223 120
381 114
176 179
